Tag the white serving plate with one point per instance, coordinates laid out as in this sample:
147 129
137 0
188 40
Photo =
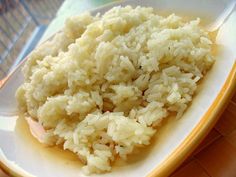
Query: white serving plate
22 155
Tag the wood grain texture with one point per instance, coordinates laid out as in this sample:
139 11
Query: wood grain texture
219 159
231 138
192 168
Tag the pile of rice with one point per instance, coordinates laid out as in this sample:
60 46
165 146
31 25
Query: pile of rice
101 86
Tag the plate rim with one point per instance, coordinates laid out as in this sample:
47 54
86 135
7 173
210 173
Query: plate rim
186 147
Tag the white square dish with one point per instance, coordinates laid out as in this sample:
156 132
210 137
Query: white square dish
21 155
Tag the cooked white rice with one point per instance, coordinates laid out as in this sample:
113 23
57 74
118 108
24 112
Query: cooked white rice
102 85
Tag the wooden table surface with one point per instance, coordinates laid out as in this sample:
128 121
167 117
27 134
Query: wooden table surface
216 155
